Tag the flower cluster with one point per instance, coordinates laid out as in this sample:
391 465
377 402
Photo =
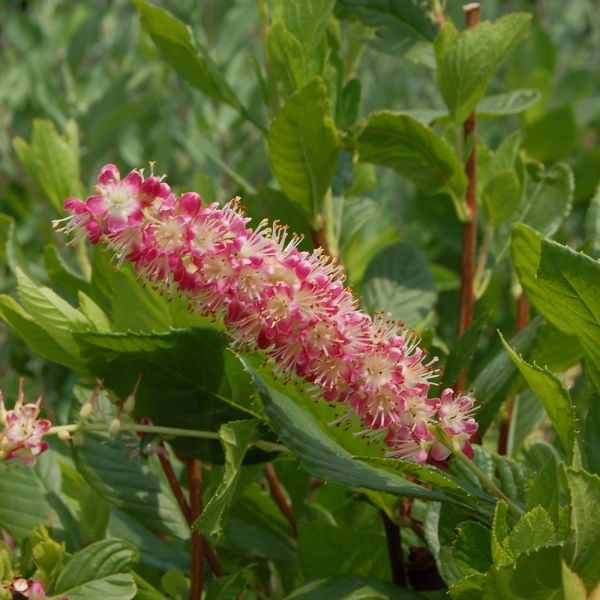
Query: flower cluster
272 296
22 431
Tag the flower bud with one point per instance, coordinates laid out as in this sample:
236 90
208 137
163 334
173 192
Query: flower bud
115 426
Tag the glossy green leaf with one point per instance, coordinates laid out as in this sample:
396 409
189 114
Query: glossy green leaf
236 438
552 394
100 570
52 160
400 142
398 281
303 146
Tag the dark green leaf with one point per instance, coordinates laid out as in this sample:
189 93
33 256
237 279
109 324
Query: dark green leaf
398 281
351 588
399 141
472 548
552 136
100 570
303 147
319 554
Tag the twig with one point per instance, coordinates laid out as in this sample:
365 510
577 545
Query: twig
394 546
469 237
279 497
194 475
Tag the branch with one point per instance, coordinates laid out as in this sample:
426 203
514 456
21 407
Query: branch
194 475
394 546
279 497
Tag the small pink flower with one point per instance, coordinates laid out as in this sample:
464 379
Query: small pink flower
273 297
22 431
36 591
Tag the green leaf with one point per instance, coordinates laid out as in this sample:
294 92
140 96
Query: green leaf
467 62
287 57
544 489
37 338
61 275
47 554
185 366
592 225
319 552
552 394
552 136
236 438
398 281
56 316
399 25
500 197
508 103
323 457
534 530
174 40
229 587
527 415
348 105
400 142
303 146
471 548
583 551
52 160
350 588
573 586
100 570
94 515
129 484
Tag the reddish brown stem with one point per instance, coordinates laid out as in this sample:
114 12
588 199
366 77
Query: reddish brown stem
194 475
319 239
469 234
167 468
520 323
394 546
211 556
278 495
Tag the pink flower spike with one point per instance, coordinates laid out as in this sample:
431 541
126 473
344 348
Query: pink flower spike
272 297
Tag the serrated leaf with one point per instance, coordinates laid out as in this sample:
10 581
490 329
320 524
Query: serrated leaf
321 455
100 570
534 530
236 438
500 197
398 281
552 394
496 380
467 62
507 103
174 40
52 160
400 142
583 552
500 531
303 146
471 548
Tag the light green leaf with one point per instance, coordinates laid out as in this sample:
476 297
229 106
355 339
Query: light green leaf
174 40
592 225
500 197
400 142
398 281
552 394
350 588
583 551
236 438
467 62
573 586
100 570
287 57
508 103
303 146
534 530
52 160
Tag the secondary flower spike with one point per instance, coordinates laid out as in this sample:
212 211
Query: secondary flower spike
272 296
22 431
